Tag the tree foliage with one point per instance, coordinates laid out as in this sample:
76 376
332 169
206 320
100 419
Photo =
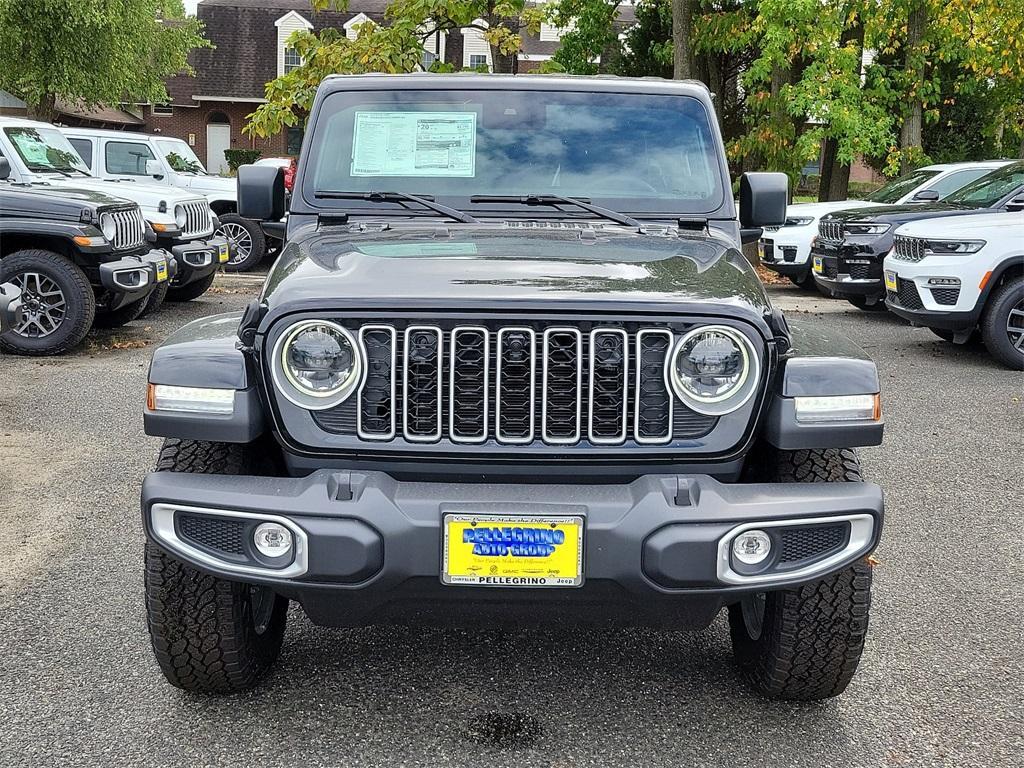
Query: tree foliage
93 52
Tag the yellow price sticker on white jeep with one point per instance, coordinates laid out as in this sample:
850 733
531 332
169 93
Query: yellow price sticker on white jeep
513 551
818 265
890 281
222 254
161 271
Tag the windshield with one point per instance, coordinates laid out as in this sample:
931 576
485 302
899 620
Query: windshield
990 189
180 156
898 188
632 153
45 149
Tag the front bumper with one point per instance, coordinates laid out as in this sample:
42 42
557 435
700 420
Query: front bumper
787 251
366 543
199 259
131 278
845 277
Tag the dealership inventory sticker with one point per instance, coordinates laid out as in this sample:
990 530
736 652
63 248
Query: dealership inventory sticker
414 144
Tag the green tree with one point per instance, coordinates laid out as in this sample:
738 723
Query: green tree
394 47
93 52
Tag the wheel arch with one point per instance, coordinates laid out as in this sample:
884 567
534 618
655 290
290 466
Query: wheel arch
223 206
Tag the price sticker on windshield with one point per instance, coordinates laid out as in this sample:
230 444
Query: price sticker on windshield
428 144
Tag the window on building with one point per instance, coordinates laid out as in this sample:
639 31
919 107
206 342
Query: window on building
477 60
84 148
128 158
291 60
427 60
163 110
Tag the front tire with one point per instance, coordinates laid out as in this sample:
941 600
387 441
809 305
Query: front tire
210 635
134 311
248 238
861 303
59 302
1002 326
191 290
804 643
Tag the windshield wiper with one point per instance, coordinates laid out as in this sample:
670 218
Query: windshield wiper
47 169
548 199
398 197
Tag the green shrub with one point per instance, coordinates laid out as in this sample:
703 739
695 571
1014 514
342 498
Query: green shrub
237 157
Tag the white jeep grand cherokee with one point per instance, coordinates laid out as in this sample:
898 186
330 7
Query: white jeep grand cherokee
960 275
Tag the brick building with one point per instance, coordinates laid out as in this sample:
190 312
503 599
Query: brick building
210 109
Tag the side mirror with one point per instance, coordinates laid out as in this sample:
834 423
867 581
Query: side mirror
154 169
10 301
261 192
5 168
1015 205
925 196
763 199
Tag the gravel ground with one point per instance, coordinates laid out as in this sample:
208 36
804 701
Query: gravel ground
939 683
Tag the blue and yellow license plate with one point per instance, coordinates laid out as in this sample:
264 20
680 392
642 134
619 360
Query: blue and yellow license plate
890 281
161 271
222 254
513 551
818 267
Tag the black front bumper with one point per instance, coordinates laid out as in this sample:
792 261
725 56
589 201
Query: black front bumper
199 259
131 278
849 273
946 321
368 546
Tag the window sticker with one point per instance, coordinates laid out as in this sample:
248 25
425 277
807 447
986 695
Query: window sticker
414 144
31 148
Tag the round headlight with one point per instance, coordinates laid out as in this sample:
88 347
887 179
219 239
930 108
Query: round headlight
714 369
108 226
316 364
179 216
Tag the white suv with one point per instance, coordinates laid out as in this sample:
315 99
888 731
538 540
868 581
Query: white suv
165 160
960 275
786 249
182 222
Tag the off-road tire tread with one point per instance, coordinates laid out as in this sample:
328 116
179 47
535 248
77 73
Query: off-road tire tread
191 290
812 636
201 626
80 325
993 326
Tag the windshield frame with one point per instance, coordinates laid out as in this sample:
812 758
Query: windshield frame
360 92
46 132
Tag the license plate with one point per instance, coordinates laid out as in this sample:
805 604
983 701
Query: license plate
760 249
818 265
512 551
161 271
222 254
890 281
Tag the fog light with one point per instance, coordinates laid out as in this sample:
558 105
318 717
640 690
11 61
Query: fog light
272 539
944 281
751 547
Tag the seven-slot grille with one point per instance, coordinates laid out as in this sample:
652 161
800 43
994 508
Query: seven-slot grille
908 248
515 385
830 230
130 228
197 218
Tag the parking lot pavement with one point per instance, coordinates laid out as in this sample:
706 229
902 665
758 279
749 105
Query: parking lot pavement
939 684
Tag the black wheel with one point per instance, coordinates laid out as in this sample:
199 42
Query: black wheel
134 311
59 303
156 299
861 302
943 334
806 282
249 241
210 635
804 644
192 290
1002 325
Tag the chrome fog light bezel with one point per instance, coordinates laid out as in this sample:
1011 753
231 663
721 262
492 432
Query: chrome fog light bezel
143 273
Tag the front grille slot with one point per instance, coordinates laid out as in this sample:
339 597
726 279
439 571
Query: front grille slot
421 398
563 379
830 230
130 228
197 218
908 248
508 385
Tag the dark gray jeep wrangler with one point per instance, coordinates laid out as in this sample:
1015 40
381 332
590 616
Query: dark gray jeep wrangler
511 365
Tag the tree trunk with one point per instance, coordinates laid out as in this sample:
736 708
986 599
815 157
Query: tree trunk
502 62
682 23
835 176
910 133
829 149
45 110
717 85
1020 152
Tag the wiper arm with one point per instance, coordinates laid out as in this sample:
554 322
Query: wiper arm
47 169
548 199
397 197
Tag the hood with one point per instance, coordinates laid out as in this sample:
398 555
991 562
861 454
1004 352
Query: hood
44 201
148 196
499 268
895 214
820 209
968 227
219 186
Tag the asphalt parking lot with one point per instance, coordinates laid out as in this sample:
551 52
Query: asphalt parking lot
939 684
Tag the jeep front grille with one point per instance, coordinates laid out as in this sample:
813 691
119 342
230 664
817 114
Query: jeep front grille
197 219
515 384
831 230
908 248
130 228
